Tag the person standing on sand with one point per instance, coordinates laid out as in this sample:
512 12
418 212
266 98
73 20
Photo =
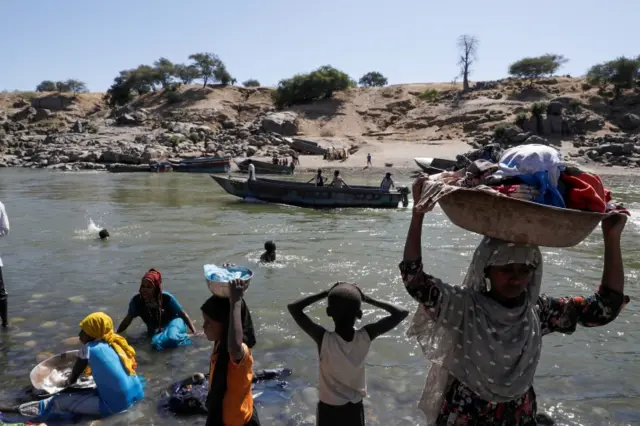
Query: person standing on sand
4 230
369 164
252 171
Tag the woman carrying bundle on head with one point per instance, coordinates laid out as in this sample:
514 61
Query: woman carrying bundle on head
484 338
163 315
107 357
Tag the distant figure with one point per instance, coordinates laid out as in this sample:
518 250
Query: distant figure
270 252
387 183
274 160
252 170
369 160
4 230
318 178
295 160
337 181
103 234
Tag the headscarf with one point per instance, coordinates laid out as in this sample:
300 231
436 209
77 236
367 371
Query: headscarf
99 326
155 278
218 309
491 349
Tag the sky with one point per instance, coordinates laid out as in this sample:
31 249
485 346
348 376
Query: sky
409 41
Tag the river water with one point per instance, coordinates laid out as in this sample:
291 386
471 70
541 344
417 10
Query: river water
57 272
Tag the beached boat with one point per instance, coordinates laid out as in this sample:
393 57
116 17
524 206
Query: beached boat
263 167
433 166
202 165
307 147
308 195
127 168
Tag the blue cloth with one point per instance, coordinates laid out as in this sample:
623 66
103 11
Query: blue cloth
549 195
117 390
225 274
171 309
173 335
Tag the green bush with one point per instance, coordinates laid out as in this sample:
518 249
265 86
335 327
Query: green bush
373 79
539 108
316 85
521 117
252 82
575 105
621 73
429 95
500 129
536 67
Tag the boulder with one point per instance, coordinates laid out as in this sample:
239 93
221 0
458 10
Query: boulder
555 108
53 102
630 122
284 123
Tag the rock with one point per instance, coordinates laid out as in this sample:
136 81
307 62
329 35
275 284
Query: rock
228 124
251 150
630 122
612 149
555 108
537 140
53 102
284 123
25 114
79 126
555 124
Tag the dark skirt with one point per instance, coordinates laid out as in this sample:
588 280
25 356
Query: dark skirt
349 414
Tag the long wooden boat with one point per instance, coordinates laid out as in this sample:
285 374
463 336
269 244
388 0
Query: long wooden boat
308 195
203 165
307 147
263 167
433 166
127 168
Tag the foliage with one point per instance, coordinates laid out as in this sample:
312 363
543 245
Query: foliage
186 73
575 105
539 108
468 46
535 67
221 74
163 72
429 95
76 86
47 86
251 83
373 79
500 130
71 85
305 88
521 117
206 64
621 73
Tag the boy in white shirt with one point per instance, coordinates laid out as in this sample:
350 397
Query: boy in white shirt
4 230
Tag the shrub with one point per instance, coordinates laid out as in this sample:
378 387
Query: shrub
621 73
539 108
500 130
316 85
521 117
586 86
575 105
373 79
429 95
536 67
251 83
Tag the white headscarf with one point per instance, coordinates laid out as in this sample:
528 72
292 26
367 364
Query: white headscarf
491 349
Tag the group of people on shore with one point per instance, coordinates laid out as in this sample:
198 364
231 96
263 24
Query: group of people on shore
483 339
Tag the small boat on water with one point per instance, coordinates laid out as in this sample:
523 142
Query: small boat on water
263 167
303 194
202 165
433 166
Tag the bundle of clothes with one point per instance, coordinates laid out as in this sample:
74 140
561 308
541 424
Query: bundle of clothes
534 173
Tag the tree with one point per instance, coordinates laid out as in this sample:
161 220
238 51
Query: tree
621 73
536 67
164 71
76 86
186 73
316 85
251 83
373 78
62 86
206 63
222 75
46 86
468 46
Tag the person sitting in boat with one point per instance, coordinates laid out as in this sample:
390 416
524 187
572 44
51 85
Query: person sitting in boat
163 315
387 183
252 170
107 357
269 254
319 179
337 181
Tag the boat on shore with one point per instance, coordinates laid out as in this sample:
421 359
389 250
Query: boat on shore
127 168
434 166
307 147
303 194
264 167
202 165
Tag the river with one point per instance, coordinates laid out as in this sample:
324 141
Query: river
57 271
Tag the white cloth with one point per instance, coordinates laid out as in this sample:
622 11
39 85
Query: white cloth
83 353
525 159
4 225
342 374
252 172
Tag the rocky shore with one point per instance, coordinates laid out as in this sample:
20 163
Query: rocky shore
66 132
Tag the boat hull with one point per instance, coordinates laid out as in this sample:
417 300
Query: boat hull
203 165
433 166
265 168
308 195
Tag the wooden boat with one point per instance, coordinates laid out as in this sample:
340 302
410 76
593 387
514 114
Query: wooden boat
127 168
433 166
161 167
307 147
202 165
308 195
263 167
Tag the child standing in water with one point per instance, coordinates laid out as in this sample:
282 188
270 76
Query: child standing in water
227 321
269 254
343 351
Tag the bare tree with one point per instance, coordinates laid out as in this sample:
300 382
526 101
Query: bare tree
468 46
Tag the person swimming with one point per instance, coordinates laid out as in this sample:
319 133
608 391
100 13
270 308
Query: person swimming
270 252
103 234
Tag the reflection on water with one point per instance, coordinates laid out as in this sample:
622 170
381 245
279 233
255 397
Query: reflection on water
57 271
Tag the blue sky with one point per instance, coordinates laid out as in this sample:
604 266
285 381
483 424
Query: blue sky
409 41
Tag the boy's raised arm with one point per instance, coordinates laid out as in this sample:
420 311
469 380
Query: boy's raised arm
387 323
296 309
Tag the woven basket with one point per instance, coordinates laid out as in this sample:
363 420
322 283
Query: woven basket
518 221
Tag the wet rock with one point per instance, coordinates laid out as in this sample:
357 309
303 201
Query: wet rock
284 123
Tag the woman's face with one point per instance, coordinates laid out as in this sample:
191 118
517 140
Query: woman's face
508 282
84 337
214 330
146 290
